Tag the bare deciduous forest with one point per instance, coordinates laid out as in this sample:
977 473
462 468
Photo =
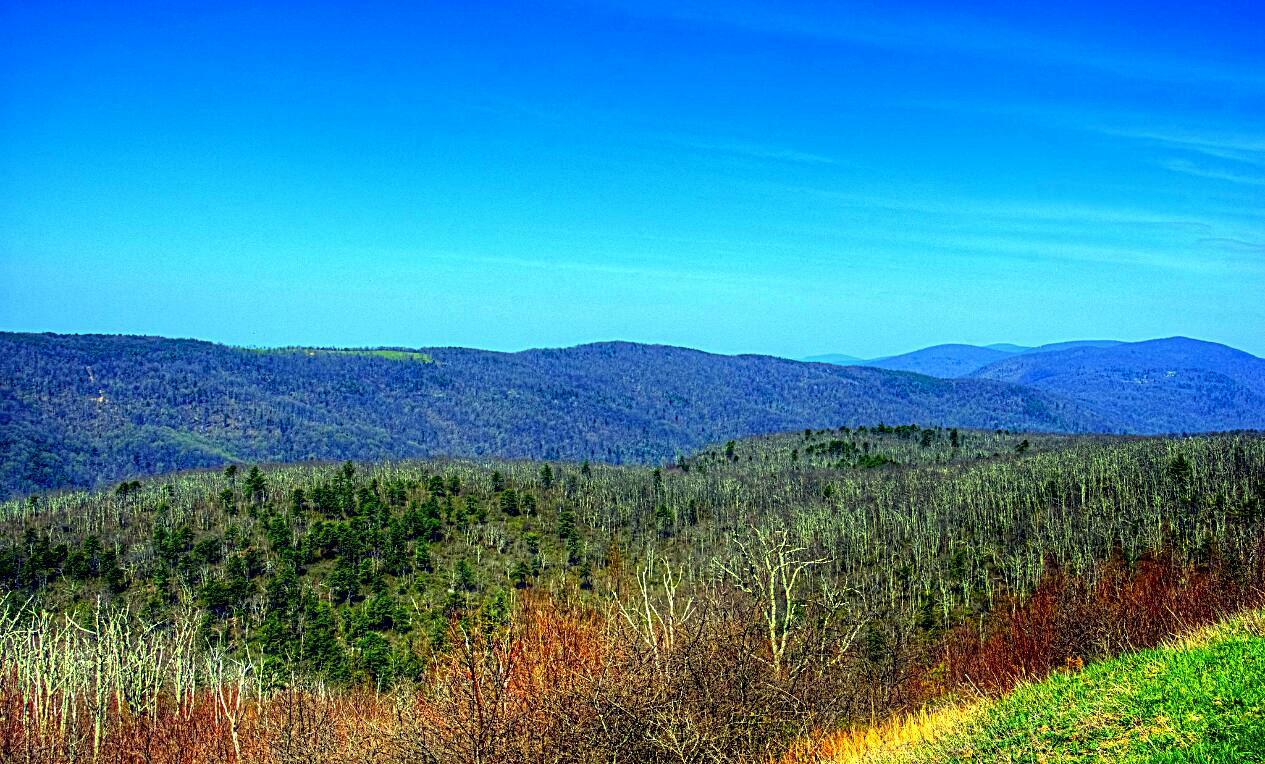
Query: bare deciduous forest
731 606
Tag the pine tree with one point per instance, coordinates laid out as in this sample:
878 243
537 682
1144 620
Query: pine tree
256 485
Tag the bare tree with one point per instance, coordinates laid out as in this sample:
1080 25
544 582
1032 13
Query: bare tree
658 611
769 567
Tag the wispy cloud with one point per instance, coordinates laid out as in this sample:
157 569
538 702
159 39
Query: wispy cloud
1240 154
641 268
1213 141
756 151
1019 211
1053 250
1237 147
959 33
1034 231
701 138
1235 245
1213 173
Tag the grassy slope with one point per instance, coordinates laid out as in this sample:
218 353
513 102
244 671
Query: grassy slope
1198 700
387 353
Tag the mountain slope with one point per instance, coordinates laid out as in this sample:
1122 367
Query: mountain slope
1056 346
86 409
954 360
1167 385
945 361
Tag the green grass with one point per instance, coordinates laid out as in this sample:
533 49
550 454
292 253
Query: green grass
1200 700
395 355
390 355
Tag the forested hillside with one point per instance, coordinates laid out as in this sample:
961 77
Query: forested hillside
714 610
946 361
1175 384
955 360
1169 385
83 410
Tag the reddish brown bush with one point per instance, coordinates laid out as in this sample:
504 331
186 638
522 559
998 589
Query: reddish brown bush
1068 620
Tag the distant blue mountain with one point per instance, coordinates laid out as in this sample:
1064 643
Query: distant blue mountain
1167 385
1056 346
945 361
953 361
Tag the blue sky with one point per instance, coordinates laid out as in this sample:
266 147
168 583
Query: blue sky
790 178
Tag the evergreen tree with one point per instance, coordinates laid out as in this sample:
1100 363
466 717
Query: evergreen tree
566 522
509 502
421 557
520 574
318 641
256 485
464 574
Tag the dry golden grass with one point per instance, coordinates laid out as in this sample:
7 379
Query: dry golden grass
1251 623
882 742
1084 718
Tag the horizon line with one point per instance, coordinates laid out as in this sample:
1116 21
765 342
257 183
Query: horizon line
801 359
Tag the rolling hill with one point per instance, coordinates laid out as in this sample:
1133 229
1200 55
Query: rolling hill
79 410
955 360
1056 346
1175 384
945 361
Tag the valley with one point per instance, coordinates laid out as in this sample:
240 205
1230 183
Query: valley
718 607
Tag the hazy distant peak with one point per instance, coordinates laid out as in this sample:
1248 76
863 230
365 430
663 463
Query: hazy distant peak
1181 380
1069 345
946 361
838 359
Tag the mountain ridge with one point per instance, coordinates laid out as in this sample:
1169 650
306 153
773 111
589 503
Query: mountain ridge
954 360
84 409
946 361
1179 377
78 410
